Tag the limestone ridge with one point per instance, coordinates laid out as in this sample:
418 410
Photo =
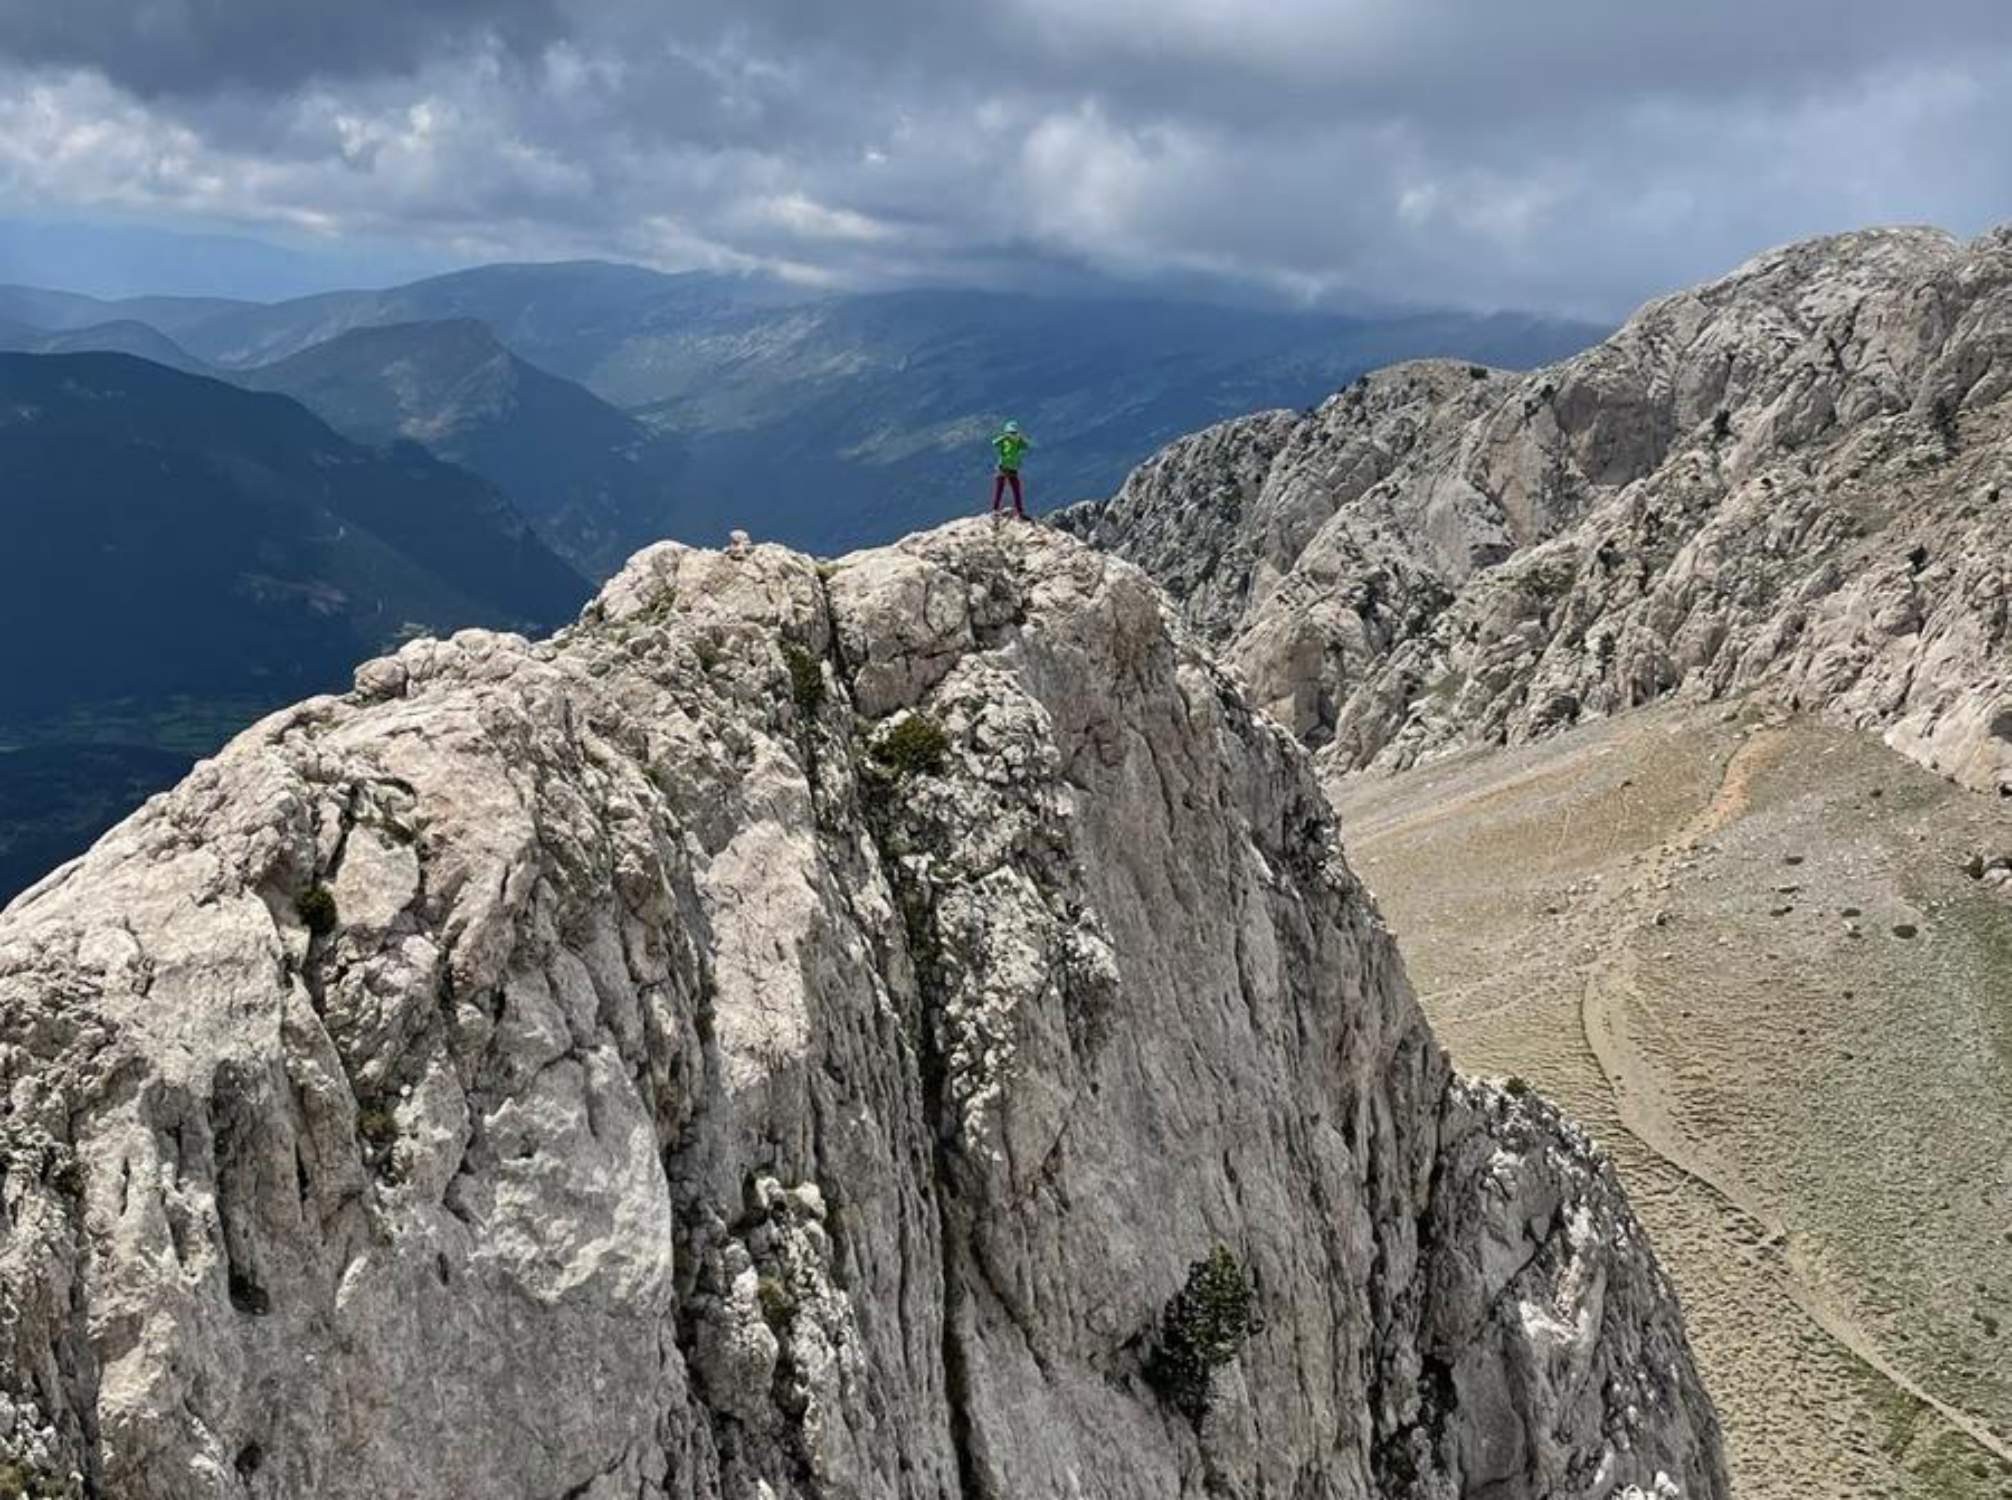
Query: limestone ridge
1791 481
789 1035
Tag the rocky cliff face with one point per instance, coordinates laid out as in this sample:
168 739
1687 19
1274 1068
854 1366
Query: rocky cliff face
798 1033
1791 482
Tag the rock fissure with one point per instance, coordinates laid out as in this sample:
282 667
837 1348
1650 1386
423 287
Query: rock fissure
923 949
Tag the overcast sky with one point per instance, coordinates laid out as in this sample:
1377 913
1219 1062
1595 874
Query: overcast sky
1568 155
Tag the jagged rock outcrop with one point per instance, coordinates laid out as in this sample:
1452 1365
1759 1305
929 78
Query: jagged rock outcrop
1790 482
791 1035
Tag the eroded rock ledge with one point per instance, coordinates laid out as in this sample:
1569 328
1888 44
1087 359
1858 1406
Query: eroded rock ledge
1789 483
788 1036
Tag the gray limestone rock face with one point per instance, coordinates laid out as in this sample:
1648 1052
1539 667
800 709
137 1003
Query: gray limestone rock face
1790 483
790 1035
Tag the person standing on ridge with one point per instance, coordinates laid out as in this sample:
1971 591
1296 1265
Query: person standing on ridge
1009 445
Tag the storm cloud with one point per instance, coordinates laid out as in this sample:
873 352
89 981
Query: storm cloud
1572 155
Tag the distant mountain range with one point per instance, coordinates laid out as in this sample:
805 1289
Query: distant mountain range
593 479
227 503
826 421
119 336
173 535
112 259
68 312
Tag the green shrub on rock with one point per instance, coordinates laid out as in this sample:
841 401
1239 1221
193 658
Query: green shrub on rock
806 679
778 1307
20 1480
377 1125
1202 1329
917 746
317 909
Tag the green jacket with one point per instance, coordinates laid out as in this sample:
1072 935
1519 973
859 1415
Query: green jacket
1010 445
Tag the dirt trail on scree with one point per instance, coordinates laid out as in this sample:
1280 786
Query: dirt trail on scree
1744 953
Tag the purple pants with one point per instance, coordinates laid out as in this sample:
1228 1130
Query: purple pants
1006 477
